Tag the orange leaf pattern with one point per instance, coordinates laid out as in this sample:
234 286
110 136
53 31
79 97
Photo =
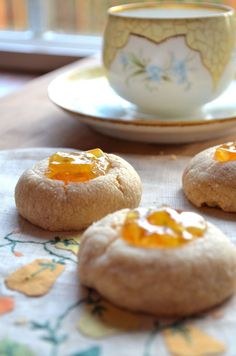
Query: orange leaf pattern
7 304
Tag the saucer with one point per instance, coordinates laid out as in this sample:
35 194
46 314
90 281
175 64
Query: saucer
87 95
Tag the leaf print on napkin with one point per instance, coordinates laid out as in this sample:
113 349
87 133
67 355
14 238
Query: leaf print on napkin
190 341
69 243
11 348
36 278
104 319
6 304
93 351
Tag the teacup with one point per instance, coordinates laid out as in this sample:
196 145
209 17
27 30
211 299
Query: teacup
170 58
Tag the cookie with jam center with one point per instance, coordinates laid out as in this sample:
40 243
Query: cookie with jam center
70 190
158 261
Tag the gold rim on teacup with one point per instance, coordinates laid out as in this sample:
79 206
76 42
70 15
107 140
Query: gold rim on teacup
116 10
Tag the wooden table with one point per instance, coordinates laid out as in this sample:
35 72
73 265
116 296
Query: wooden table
29 119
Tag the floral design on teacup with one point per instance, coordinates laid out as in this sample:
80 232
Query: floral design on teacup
154 75
160 67
174 70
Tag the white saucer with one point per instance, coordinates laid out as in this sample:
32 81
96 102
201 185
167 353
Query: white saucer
86 94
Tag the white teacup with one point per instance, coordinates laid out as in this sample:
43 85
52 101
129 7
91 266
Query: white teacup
170 59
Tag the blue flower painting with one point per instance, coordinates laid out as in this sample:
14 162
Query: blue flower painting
176 70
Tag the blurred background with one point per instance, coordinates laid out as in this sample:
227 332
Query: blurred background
37 36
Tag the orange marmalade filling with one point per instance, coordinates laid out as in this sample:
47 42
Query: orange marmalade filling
226 152
162 228
77 167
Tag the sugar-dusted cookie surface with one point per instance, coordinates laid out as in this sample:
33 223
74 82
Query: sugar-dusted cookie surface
57 205
168 282
210 181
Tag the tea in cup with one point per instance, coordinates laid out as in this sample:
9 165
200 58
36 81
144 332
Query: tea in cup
170 58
